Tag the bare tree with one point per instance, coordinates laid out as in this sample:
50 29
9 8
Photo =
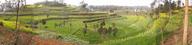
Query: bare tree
16 27
19 4
9 5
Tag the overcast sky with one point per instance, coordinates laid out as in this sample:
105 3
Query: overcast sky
103 2
113 2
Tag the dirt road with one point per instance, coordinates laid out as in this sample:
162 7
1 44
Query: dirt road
176 38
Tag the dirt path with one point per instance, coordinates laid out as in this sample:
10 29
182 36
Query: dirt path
7 37
176 38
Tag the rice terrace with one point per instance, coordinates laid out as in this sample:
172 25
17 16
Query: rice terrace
95 22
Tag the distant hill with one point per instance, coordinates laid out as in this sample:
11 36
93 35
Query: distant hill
50 3
112 7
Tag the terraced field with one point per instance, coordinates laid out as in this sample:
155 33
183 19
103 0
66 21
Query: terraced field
132 30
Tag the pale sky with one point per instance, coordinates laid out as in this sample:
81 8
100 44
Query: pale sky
102 2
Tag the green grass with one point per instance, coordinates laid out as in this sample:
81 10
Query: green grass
151 36
133 30
127 25
12 25
190 19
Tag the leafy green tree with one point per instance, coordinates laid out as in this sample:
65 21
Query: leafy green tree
83 6
179 3
167 6
51 3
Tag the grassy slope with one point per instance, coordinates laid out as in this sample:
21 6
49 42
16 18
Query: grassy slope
133 30
150 36
129 31
125 29
11 25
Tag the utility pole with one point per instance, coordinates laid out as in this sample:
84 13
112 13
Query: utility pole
185 23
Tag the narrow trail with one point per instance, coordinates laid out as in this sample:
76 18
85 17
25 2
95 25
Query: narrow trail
7 37
176 37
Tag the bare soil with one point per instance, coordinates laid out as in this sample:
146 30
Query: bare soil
176 38
8 37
